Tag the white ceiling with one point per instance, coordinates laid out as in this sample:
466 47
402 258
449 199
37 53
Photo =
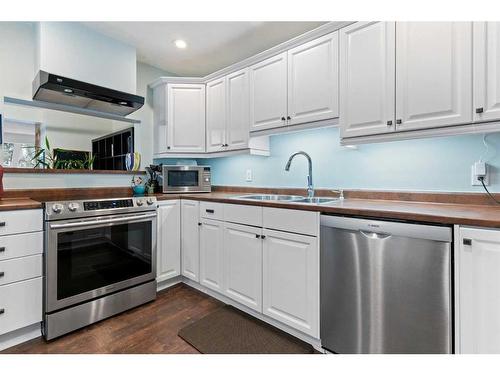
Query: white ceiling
211 45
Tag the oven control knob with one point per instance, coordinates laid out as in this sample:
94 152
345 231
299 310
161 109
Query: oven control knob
57 208
73 206
140 202
150 201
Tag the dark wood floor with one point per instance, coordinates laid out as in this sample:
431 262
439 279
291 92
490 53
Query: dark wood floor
151 328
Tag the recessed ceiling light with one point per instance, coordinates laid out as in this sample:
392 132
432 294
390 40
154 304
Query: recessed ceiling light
179 43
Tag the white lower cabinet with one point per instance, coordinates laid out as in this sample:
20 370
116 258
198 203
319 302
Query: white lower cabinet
243 264
190 240
20 304
211 253
168 248
478 291
291 280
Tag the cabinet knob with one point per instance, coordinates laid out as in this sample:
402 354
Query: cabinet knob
283 118
389 123
262 236
467 241
288 118
168 147
2 274
479 110
199 224
257 236
2 311
2 249
398 121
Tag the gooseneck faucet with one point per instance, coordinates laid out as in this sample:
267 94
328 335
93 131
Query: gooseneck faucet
310 187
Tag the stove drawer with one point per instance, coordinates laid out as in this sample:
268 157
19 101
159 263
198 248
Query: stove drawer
21 245
20 221
20 304
19 269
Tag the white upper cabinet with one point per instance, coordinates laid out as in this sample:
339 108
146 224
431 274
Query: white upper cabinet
185 118
367 81
478 291
228 123
313 80
268 93
238 110
486 71
216 115
433 74
168 240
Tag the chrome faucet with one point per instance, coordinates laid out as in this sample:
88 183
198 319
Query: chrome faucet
310 187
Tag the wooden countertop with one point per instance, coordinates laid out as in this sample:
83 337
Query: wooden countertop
9 204
443 213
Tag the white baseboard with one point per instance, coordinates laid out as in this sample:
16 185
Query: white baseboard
168 283
20 335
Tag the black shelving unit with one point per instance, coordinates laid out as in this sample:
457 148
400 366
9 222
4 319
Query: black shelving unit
110 150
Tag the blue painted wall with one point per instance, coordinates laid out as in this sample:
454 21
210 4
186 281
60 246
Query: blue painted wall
435 164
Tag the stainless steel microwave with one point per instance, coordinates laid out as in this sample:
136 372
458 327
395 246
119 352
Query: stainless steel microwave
186 179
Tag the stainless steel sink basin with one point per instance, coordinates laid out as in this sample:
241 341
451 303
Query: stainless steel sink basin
270 197
286 198
316 200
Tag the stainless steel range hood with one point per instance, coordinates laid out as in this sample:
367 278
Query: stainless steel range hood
53 88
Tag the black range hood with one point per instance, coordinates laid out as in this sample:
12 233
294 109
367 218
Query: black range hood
53 88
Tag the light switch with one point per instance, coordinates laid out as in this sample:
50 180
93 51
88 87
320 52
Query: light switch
249 175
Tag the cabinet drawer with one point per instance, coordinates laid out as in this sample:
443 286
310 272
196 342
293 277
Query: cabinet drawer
210 210
21 245
20 221
294 221
249 215
19 269
20 304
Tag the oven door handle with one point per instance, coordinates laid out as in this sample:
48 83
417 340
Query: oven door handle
105 221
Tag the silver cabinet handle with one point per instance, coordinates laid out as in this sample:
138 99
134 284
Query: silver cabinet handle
2 249
106 221
2 311
2 274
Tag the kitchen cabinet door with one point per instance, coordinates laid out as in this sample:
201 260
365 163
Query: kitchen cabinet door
486 71
216 115
291 280
211 253
367 85
268 93
190 240
185 118
478 291
243 264
238 110
168 248
433 74
313 73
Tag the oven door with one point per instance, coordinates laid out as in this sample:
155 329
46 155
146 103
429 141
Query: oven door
179 179
88 258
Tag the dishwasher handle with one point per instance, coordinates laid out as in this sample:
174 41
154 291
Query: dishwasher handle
375 235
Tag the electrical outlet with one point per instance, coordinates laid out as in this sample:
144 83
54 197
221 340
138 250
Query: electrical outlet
249 175
479 169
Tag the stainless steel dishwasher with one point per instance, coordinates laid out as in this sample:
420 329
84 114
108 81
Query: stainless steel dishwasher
385 286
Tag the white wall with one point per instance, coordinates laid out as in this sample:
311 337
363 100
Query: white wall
73 50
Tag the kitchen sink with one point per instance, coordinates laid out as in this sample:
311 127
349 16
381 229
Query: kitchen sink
286 198
271 197
316 200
